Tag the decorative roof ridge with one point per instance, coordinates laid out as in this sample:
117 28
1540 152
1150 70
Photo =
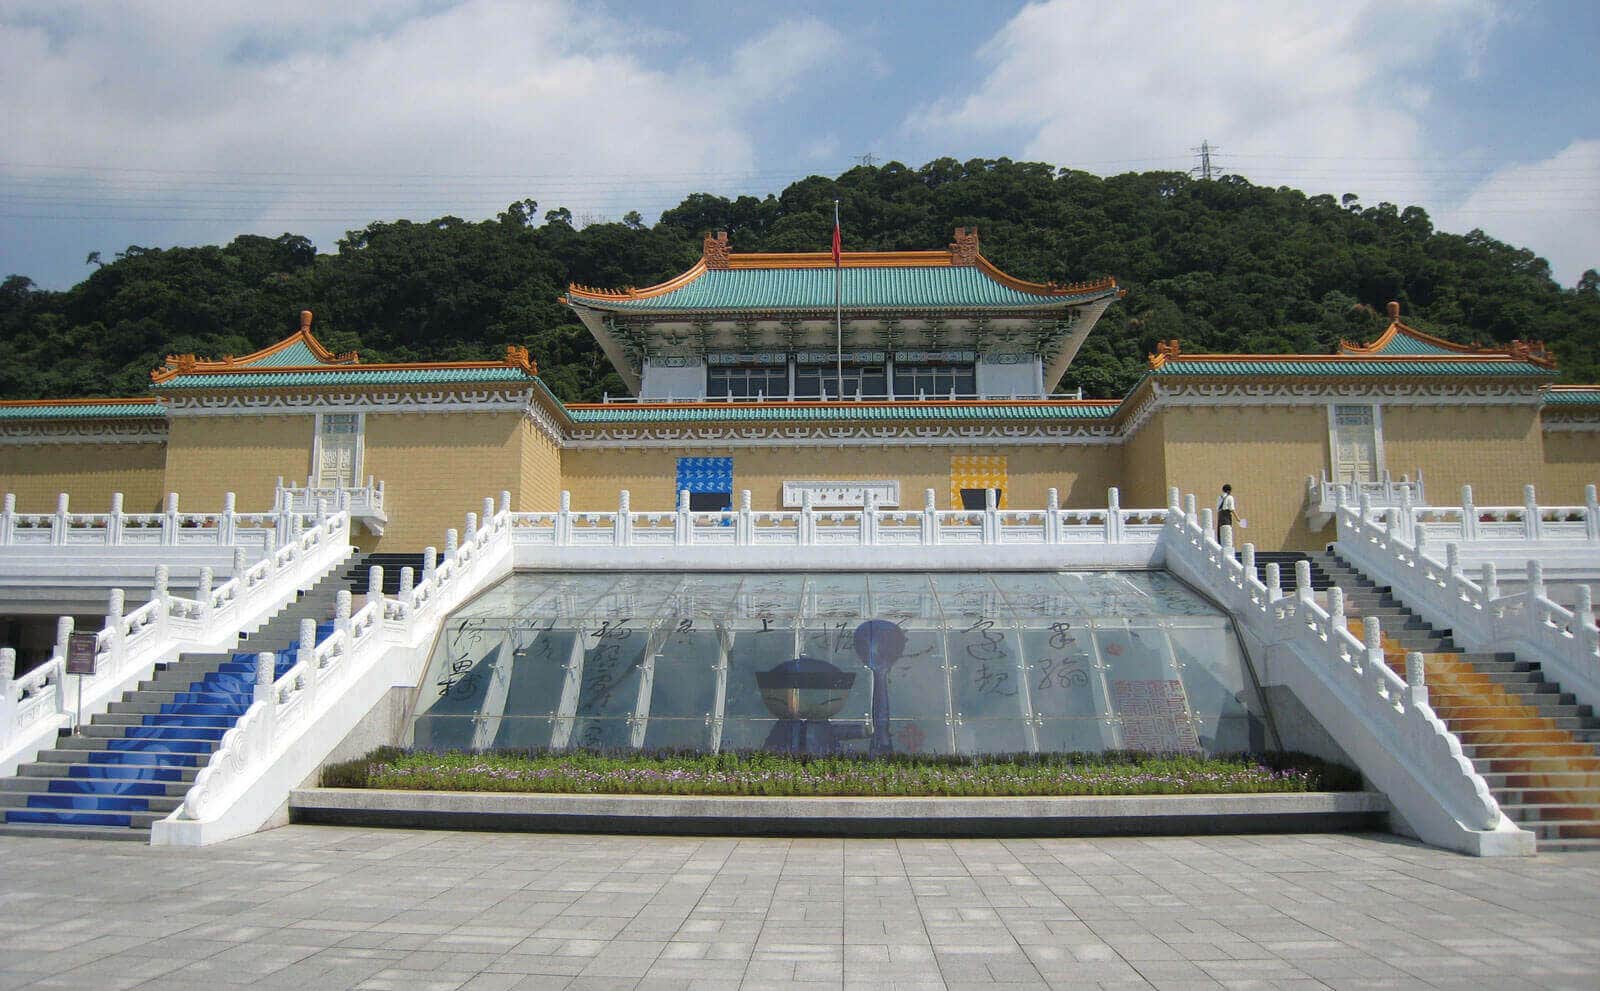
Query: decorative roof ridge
188 364
848 404
1520 350
716 256
82 401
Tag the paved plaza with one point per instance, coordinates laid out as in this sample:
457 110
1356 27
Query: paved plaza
318 907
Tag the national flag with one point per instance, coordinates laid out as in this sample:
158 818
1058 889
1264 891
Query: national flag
837 240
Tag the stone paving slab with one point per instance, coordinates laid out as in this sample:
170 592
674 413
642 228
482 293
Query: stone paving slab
309 907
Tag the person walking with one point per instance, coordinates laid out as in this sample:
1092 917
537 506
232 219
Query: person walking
1226 511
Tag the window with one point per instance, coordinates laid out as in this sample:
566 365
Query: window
747 382
1354 441
337 451
933 381
822 381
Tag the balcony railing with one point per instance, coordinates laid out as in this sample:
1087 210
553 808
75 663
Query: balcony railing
1323 497
364 503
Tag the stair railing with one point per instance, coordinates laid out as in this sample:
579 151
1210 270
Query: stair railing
260 757
130 643
1383 722
1396 551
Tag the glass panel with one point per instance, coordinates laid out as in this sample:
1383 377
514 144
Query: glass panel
840 663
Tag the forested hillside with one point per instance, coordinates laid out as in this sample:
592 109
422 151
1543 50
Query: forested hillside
1223 265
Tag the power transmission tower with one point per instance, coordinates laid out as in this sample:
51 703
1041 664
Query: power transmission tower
1204 151
869 160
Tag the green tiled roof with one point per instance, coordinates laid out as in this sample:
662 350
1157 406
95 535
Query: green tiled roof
1354 366
343 375
1406 344
883 287
296 355
110 409
1588 396
787 413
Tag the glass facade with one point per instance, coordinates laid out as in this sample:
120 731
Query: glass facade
934 381
744 382
822 381
871 663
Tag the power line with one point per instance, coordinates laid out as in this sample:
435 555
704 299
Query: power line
1204 151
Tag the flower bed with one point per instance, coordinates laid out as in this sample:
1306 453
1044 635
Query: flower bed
748 774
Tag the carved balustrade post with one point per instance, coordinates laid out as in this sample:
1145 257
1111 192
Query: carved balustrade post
621 534
470 529
808 518
1469 515
488 512
202 592
1227 541
450 544
1583 625
1530 513
563 532
114 520
1208 525
58 532
683 524
8 517
1189 512
407 578
1247 559
1416 681
170 524
1372 634
430 561
866 524
63 635
930 518
116 608
1052 516
1174 498
162 597
375 588
269 550
505 501
1336 616
1274 581
1591 515
1535 579
307 659
1408 518
991 517
744 532
1302 580
343 602
1113 516
1491 583
266 674
228 524
1422 547
8 673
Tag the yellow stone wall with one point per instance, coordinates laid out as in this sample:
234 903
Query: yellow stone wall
540 489
1144 466
209 456
1081 473
1495 449
88 473
1265 453
1571 461
439 467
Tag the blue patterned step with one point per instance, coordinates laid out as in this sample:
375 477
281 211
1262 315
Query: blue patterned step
159 746
89 803
149 758
106 786
201 720
68 818
173 733
229 699
124 772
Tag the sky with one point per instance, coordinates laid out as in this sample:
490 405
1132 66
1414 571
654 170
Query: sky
160 123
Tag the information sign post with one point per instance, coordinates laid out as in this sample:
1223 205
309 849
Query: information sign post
80 662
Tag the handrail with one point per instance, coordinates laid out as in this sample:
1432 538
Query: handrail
168 528
1412 754
130 642
285 705
1397 549
866 527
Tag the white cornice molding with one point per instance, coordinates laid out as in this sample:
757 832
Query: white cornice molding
442 401
108 432
546 423
1564 425
875 436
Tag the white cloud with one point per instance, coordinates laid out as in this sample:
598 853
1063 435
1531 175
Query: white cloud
1552 206
1326 97
360 109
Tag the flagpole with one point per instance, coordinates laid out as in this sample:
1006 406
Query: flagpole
838 301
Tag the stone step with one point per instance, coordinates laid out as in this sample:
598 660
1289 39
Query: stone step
1512 750
129 821
1541 707
1467 724
127 786
1512 735
1511 782
1577 813
128 772
66 802
197 719
81 744
1588 798
125 833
